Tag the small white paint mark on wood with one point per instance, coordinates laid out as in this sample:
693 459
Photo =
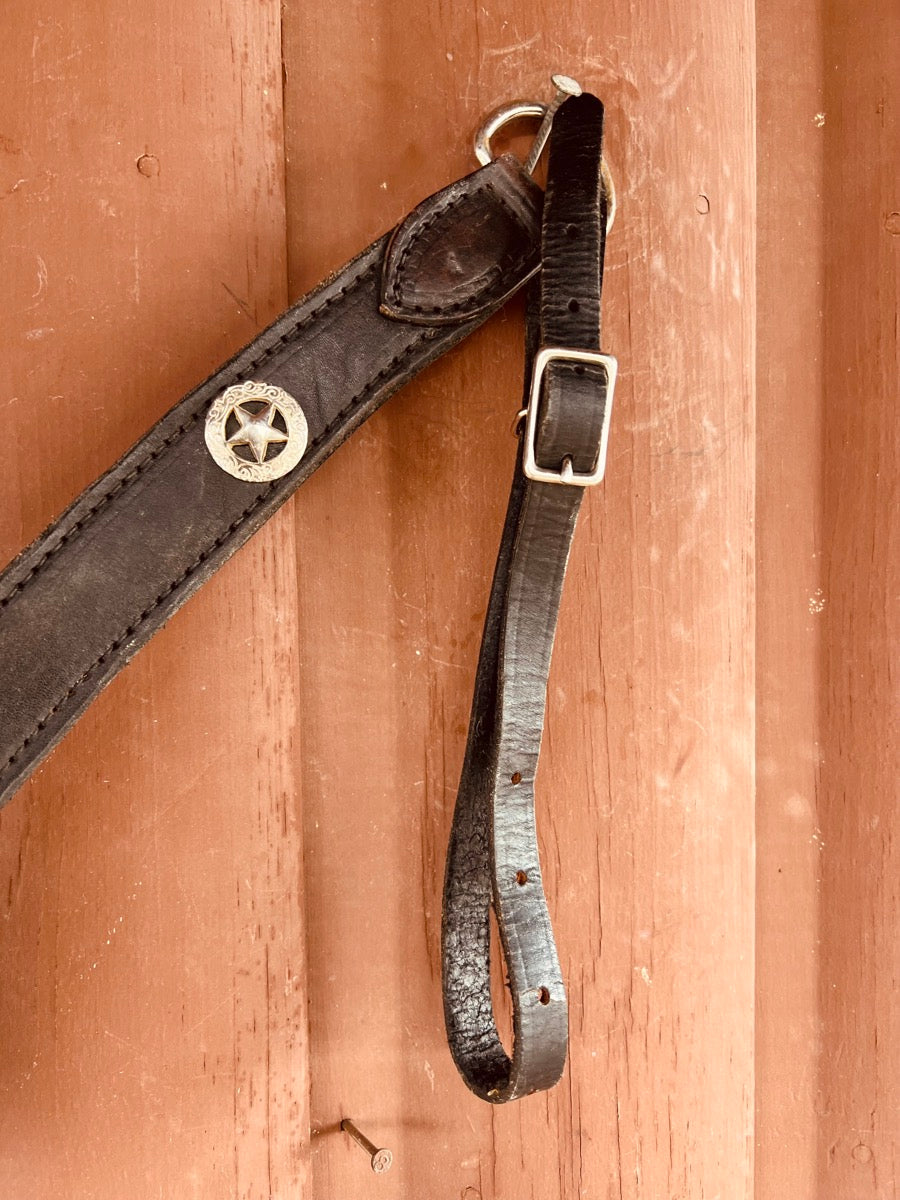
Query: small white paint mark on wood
798 807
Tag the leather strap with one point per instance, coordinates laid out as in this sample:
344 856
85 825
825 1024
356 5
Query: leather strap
86 595
94 587
493 857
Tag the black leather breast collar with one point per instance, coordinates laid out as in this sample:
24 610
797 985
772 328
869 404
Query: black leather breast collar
94 587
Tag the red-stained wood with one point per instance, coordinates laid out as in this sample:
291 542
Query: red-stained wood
646 792
250 824
858 1097
152 1009
828 1050
790 594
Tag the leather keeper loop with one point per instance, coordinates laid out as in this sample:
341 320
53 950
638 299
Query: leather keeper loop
439 269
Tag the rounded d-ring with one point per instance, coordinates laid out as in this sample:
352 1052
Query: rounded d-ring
494 122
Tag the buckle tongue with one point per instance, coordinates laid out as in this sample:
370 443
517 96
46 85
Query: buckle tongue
565 474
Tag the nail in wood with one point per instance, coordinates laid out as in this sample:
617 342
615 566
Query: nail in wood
380 1158
565 87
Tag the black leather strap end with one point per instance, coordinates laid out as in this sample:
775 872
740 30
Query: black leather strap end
574 396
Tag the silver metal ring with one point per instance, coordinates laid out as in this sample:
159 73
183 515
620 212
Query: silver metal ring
495 121
514 111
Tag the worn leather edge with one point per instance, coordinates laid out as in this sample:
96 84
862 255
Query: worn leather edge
64 630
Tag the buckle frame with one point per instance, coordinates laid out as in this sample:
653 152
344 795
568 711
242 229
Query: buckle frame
565 474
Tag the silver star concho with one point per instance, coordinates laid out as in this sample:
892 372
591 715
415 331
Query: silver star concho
256 430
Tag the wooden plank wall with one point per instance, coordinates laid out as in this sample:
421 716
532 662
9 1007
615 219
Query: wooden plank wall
646 790
221 894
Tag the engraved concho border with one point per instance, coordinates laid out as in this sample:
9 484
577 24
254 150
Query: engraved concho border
222 453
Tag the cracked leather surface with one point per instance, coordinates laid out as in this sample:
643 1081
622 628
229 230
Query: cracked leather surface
493 857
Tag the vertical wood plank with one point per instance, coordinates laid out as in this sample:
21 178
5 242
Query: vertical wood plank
790 592
858 1096
152 1008
828 1052
646 793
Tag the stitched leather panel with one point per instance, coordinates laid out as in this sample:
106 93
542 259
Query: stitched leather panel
86 595
439 265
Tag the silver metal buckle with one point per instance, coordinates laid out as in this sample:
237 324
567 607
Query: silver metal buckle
566 474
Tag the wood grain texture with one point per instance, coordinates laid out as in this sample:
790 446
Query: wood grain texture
153 1006
165 872
790 594
858 1099
646 792
828 1051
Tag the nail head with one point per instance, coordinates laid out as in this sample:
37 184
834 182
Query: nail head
564 83
381 1161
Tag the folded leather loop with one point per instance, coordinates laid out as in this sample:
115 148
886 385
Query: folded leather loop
78 603
439 266
493 856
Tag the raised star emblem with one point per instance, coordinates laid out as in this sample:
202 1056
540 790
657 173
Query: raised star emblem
266 416
257 431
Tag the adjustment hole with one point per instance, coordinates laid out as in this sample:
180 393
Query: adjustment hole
573 305
516 777
544 996
571 231
579 370
521 878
